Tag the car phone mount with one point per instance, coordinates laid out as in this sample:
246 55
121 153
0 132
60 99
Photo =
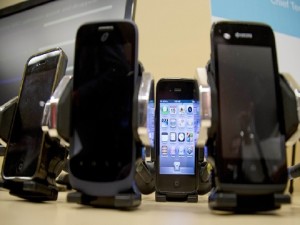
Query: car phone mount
291 101
127 200
230 201
145 167
58 129
204 184
54 123
54 159
145 180
294 171
46 189
170 196
130 198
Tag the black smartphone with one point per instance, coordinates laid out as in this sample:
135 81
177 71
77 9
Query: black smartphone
102 142
250 142
26 156
177 121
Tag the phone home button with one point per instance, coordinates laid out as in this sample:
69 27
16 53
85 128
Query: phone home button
176 183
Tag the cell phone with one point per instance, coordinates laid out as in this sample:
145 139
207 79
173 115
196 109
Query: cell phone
249 153
26 155
102 141
177 121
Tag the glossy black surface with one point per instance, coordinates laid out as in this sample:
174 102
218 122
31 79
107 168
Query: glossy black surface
102 144
27 139
250 142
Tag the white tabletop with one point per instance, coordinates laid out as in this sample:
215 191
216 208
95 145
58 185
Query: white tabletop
15 211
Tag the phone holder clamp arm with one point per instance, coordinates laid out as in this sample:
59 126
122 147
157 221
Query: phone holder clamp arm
231 201
145 172
7 111
145 110
56 117
201 77
205 105
291 103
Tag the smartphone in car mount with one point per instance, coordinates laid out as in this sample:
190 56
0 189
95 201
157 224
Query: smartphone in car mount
177 119
27 154
249 152
102 141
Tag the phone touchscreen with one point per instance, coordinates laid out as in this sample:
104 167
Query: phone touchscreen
26 139
178 121
251 139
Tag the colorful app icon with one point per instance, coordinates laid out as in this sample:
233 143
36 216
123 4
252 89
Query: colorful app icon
173 122
190 150
176 166
164 150
181 150
173 136
181 137
190 122
181 122
173 150
164 122
189 109
164 136
189 136
173 109
181 109
164 110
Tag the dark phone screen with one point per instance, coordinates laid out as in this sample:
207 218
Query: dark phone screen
248 107
102 138
252 144
177 122
26 140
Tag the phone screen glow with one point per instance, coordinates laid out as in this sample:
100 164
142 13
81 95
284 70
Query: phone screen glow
178 122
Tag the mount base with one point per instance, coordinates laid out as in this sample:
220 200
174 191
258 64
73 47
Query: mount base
191 197
124 200
246 203
32 190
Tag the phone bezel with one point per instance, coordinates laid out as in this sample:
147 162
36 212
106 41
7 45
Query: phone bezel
107 188
60 67
262 35
174 183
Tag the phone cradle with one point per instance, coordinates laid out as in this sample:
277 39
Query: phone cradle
162 197
2 150
6 116
38 190
32 190
227 201
124 200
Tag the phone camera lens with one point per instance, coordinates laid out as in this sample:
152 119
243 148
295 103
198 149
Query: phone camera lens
226 36
20 167
104 36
